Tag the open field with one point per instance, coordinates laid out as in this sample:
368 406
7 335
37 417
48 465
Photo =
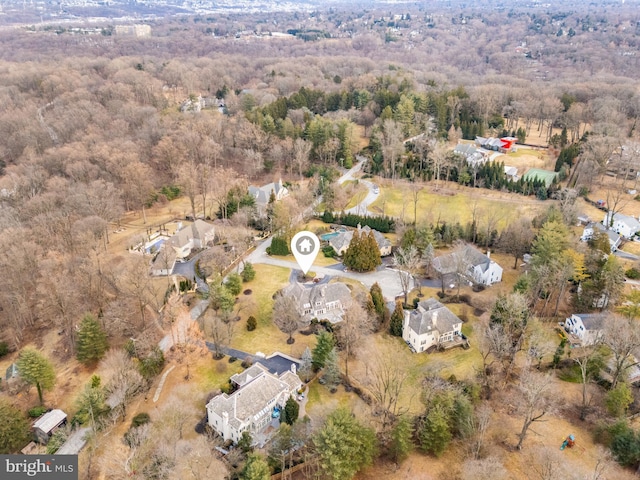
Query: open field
454 204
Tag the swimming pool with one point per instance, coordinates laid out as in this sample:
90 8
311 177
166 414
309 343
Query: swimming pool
155 246
327 236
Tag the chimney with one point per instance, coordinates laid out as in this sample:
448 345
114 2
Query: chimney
293 367
434 318
225 418
488 253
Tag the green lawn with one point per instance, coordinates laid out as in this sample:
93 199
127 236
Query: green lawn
436 208
212 374
266 338
521 152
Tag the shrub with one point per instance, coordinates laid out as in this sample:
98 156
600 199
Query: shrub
278 246
140 419
233 359
247 362
252 324
632 273
35 412
56 441
329 252
248 273
226 388
4 349
233 284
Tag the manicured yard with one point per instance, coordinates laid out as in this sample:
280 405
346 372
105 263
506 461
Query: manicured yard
266 338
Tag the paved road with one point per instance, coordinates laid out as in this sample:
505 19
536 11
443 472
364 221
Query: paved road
625 255
188 270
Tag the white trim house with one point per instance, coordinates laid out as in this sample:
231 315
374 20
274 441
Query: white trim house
249 409
479 267
587 327
196 235
430 324
625 225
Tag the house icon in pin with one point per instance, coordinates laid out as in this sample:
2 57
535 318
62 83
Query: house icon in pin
305 245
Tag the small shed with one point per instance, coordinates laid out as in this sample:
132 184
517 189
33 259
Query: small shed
47 424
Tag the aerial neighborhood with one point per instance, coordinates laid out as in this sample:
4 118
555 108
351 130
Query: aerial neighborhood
320 241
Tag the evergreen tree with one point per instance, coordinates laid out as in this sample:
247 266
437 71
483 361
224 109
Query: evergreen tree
401 439
248 272
278 246
306 365
397 318
363 254
435 433
291 411
377 299
332 374
255 468
14 428
323 347
91 402
344 446
92 341
245 442
36 369
233 284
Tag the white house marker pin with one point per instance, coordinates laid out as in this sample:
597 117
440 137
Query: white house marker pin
305 247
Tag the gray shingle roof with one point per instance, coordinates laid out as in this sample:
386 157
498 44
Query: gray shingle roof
446 264
432 315
198 229
343 239
592 321
253 398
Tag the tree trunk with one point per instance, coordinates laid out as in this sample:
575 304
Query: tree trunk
39 388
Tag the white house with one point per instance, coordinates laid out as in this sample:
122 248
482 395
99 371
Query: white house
341 242
324 302
430 324
250 407
196 235
625 225
479 268
262 194
474 156
589 231
588 327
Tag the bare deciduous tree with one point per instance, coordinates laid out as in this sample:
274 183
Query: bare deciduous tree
286 316
534 399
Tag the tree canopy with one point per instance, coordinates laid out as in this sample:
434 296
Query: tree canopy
344 445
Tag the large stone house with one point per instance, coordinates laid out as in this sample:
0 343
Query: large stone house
324 302
430 324
197 235
250 407
475 265
342 240
262 194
